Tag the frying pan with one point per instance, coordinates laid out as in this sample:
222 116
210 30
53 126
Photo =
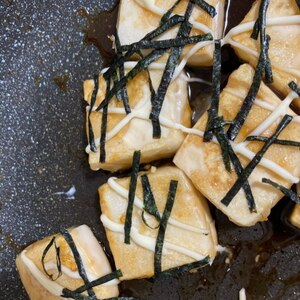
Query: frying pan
43 62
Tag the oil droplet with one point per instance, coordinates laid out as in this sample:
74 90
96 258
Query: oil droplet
62 81
98 27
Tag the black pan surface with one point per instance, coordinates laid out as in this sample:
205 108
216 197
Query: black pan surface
44 58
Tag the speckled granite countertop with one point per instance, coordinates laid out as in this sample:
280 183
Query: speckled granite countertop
43 62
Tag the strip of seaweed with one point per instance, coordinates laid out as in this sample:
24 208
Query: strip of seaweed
58 261
277 141
260 27
163 226
131 195
122 94
254 162
216 86
263 66
169 43
167 15
103 128
140 66
168 73
287 192
119 60
243 113
93 100
293 86
206 7
106 278
69 239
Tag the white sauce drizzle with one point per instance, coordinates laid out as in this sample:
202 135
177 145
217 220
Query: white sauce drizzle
287 20
53 287
120 190
146 241
70 194
75 275
199 80
279 111
242 294
264 104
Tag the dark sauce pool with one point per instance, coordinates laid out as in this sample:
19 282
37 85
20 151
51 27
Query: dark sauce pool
265 258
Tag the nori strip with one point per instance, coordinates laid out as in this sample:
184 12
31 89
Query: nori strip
293 86
187 267
260 23
260 27
216 83
163 226
103 127
241 116
149 202
75 296
277 141
58 261
287 192
168 73
206 7
167 15
298 3
119 60
122 94
263 66
228 151
132 187
222 139
106 278
93 100
68 237
255 161
166 44
140 66
173 21
268 67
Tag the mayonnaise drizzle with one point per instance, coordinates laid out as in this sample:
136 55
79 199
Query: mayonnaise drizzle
244 27
146 241
75 275
242 294
264 104
120 190
53 287
277 111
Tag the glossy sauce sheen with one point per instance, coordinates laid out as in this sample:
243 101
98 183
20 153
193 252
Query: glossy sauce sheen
265 258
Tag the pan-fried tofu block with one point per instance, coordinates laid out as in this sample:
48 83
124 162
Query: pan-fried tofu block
134 131
295 216
284 45
203 164
139 17
190 233
39 286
